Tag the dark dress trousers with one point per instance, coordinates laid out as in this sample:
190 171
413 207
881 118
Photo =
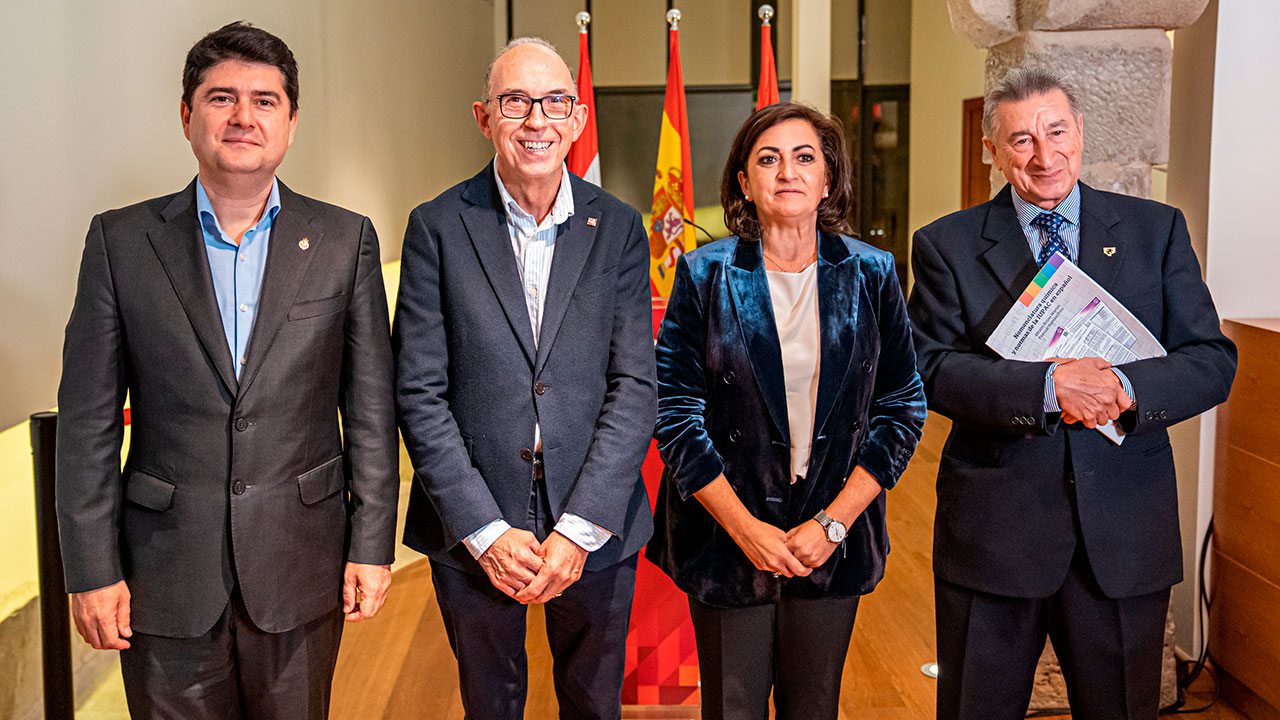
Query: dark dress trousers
722 410
259 488
471 383
1027 503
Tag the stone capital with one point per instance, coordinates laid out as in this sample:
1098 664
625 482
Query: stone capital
992 22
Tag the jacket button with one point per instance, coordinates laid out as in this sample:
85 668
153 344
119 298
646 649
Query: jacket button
735 435
540 388
526 454
242 424
1162 415
237 487
729 377
857 425
1151 415
866 366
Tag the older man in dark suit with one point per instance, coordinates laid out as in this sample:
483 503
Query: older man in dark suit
248 326
526 394
1044 526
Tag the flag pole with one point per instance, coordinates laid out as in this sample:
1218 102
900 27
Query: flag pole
584 154
767 88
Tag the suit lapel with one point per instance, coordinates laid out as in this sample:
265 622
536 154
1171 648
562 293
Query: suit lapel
1010 257
839 285
180 247
486 224
573 245
1096 220
753 305
287 263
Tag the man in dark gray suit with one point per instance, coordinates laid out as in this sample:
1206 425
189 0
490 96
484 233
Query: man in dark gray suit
526 395
248 326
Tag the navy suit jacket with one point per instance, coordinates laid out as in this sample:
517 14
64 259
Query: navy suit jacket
471 383
1005 522
722 410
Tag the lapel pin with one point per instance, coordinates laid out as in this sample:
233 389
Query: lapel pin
592 222
1109 250
305 243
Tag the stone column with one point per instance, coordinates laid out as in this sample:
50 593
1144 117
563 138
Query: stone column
1119 58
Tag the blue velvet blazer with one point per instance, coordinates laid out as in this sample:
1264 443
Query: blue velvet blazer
722 410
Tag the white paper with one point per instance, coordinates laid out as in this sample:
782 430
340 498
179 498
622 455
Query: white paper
1064 313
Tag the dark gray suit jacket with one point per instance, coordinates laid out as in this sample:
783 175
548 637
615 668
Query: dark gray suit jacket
1005 521
470 383
271 482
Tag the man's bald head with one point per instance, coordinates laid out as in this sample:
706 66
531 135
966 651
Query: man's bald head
518 49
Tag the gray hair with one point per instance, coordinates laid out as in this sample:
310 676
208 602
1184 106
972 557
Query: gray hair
1019 84
484 93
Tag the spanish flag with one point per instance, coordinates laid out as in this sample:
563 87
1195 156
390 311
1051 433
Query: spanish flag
767 91
584 154
669 236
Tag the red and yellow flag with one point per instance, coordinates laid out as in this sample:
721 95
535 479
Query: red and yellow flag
767 90
669 236
584 154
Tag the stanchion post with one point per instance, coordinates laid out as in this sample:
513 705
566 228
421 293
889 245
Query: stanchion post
55 616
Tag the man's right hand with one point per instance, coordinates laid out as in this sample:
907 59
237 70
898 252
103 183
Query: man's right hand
1088 391
512 561
102 616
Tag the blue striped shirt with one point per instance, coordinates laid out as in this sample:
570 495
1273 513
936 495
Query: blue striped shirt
237 269
1069 232
534 245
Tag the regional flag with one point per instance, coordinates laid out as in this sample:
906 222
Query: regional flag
584 154
767 91
669 236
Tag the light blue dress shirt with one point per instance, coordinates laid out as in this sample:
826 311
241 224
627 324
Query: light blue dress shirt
534 246
237 270
1069 232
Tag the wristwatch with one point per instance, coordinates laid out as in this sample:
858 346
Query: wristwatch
835 529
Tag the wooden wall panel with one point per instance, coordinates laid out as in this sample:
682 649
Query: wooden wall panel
1244 627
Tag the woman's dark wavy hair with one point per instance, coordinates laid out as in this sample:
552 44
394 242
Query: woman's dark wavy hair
833 211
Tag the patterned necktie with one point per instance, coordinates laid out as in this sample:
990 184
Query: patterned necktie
1048 223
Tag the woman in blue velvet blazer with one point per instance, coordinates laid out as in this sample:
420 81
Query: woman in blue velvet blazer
774 550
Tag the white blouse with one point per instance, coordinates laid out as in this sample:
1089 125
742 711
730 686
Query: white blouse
795 310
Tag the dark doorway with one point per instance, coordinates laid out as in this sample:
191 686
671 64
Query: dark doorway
877 130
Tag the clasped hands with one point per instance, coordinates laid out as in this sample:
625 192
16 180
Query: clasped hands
1088 391
530 572
793 553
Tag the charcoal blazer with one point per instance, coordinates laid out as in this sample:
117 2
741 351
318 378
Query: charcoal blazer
471 382
269 482
722 410
1005 521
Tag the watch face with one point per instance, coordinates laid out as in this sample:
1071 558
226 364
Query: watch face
835 531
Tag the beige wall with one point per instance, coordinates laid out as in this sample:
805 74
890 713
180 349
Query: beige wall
1187 188
945 70
889 32
91 123
630 42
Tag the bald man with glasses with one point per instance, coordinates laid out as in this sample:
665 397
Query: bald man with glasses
526 395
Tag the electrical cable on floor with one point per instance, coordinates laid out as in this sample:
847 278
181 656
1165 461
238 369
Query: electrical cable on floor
1204 604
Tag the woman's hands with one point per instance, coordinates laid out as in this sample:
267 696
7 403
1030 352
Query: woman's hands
808 543
766 547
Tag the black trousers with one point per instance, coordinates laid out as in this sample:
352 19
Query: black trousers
586 629
234 671
795 647
1109 649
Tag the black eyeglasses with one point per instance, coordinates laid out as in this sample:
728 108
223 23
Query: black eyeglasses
517 106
